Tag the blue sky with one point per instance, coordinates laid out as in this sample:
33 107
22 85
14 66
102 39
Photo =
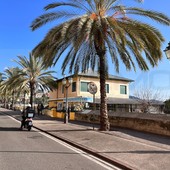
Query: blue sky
16 38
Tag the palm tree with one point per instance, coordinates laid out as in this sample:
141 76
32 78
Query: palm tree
34 76
7 87
100 29
12 86
2 89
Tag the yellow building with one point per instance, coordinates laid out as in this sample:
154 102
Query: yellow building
78 96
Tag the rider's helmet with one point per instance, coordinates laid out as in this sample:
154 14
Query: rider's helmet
28 106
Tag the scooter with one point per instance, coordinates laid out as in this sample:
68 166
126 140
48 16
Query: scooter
28 121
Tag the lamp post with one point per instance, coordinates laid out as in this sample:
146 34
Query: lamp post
92 88
167 51
66 82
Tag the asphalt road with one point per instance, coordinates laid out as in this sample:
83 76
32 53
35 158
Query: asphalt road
23 150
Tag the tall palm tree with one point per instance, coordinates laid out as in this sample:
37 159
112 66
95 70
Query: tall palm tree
34 75
88 32
12 86
2 88
7 86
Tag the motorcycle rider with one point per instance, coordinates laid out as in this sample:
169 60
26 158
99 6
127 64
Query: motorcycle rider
24 115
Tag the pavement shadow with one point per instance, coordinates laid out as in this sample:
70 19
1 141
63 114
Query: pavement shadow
145 135
139 152
40 152
69 130
13 129
9 128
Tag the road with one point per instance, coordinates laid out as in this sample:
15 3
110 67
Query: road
23 150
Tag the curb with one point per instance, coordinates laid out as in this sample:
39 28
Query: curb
90 151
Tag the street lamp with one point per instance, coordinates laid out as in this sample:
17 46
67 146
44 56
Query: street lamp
66 82
167 51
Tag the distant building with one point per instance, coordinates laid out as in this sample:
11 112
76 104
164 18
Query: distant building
117 91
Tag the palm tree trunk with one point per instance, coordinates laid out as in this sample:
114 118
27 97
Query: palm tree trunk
13 100
5 101
104 120
31 93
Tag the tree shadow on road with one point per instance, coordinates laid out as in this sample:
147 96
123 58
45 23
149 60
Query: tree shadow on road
40 152
10 129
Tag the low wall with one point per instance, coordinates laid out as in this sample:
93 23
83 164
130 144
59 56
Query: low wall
54 113
152 123
157 124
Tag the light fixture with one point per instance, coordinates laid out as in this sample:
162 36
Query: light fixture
167 51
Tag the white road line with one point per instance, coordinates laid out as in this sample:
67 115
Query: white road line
102 163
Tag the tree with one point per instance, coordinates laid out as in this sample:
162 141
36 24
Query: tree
167 106
99 29
34 76
148 97
11 86
7 87
3 88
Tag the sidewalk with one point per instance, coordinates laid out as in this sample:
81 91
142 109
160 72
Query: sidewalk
131 149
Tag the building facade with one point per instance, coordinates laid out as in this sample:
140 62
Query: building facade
79 98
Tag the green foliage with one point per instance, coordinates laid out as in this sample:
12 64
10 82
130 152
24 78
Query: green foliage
99 26
167 106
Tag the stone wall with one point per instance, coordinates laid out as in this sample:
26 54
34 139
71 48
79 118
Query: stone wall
158 124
